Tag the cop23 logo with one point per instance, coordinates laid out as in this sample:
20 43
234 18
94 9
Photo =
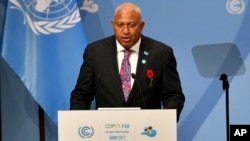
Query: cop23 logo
48 16
235 6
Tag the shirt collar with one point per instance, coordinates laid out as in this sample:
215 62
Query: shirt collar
135 47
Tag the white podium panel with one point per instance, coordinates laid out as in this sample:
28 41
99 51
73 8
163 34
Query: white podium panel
117 125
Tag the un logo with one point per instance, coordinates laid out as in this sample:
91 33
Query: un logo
48 16
235 6
86 131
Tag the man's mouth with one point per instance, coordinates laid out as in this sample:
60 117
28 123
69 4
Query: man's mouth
126 39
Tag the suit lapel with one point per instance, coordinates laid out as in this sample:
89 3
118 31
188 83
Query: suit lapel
111 54
142 64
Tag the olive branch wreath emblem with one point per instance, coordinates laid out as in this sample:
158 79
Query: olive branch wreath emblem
48 27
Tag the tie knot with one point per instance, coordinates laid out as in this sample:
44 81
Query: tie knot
127 52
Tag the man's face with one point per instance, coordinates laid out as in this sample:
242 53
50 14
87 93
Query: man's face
127 27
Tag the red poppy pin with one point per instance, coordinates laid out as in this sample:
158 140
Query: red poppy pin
150 75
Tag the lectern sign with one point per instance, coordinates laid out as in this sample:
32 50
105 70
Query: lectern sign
117 125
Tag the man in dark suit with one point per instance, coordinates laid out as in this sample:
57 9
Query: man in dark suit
153 77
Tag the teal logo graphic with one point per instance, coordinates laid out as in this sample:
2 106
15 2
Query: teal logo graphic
149 131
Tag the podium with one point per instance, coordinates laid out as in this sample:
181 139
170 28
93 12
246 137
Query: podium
117 125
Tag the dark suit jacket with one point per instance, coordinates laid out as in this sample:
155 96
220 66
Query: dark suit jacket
99 78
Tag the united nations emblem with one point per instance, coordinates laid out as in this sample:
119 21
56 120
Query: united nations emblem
235 6
48 16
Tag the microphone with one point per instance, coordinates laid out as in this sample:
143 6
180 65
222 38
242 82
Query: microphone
223 77
225 84
140 91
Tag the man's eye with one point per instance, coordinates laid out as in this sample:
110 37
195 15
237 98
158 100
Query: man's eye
119 24
132 25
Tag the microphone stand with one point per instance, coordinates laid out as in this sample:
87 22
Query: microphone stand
140 91
225 86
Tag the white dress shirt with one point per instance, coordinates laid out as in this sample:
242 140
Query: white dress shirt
133 58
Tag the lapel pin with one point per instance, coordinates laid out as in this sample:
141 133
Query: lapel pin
146 53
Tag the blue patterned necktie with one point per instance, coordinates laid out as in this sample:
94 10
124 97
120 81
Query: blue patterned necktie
125 74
